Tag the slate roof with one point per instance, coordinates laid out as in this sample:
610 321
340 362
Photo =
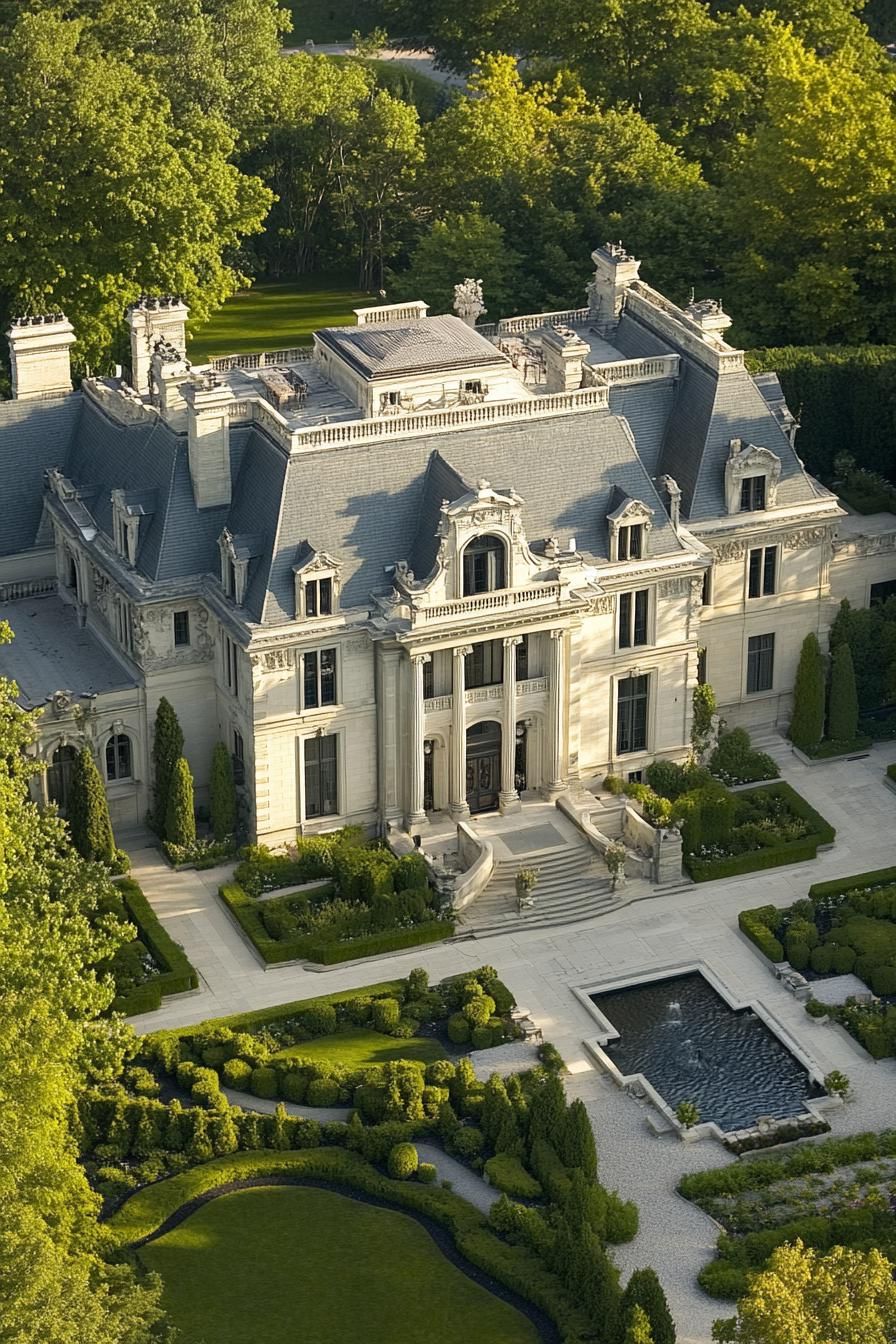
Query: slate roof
709 412
34 436
391 349
373 504
51 652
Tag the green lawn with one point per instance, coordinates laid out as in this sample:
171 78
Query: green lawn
276 316
294 1264
357 1046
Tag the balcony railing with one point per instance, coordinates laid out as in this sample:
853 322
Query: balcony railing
299 354
503 600
437 704
638 370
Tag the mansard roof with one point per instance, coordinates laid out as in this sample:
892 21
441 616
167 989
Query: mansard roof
34 437
389 349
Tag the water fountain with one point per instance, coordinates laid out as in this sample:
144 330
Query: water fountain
692 1046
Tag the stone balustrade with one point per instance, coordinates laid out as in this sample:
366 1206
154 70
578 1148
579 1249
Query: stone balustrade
503 600
515 326
625 371
19 588
298 354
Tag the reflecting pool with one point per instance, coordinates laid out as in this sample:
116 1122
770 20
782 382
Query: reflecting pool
691 1046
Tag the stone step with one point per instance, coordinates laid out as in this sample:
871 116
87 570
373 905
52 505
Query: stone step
573 911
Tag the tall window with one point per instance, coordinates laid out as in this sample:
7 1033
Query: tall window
633 618
319 685
72 575
881 592
630 542
522 659
319 597
228 575
752 493
485 665
59 776
760 663
631 715
484 566
701 667
231 666
428 681
123 625
706 596
239 758
763 571
118 757
321 796
181 629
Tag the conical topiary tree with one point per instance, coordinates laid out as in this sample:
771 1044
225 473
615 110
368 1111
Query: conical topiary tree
807 724
180 823
222 793
88 811
644 1290
843 702
167 748
637 1328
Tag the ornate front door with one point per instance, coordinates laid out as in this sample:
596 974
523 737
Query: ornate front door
483 766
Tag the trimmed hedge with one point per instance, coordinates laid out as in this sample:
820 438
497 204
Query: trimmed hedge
880 877
178 975
516 1267
758 925
507 1174
247 912
794 851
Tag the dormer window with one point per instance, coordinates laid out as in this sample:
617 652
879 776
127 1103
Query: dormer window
319 597
317 584
127 510
752 493
631 542
629 526
751 478
484 566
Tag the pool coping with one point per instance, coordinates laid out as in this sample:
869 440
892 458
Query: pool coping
639 1086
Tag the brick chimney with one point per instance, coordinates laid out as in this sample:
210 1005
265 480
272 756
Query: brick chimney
39 355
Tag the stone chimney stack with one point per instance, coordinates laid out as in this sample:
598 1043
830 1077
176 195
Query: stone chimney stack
39 353
614 271
149 320
208 440
672 491
709 316
564 354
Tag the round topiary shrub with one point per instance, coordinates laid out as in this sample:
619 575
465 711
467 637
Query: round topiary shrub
883 980
440 1072
798 956
479 1010
844 960
214 1055
403 1161
263 1082
323 1092
294 1086
186 1074
482 1038
386 1013
236 1073
426 1173
458 1029
821 958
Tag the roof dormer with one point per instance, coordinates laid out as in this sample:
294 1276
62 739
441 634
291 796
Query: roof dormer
629 526
317 583
751 477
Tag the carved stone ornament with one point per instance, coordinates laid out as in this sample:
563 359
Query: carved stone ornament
278 660
603 606
61 703
677 587
750 460
468 302
730 550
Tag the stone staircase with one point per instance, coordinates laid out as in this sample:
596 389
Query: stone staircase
573 885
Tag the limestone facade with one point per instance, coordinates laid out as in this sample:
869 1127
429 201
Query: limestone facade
424 565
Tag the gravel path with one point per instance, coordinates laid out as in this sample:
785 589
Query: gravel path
269 1107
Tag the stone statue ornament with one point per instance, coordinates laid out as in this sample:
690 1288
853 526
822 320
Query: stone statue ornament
468 303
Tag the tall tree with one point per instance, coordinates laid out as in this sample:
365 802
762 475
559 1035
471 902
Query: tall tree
114 195
844 1297
458 246
222 793
54 1285
167 748
88 813
644 1290
807 722
180 822
843 703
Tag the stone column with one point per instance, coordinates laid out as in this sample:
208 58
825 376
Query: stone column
556 781
509 799
416 813
457 790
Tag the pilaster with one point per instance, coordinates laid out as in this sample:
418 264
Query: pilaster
416 812
457 792
509 799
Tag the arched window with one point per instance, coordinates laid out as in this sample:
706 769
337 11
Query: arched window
484 565
118 757
59 776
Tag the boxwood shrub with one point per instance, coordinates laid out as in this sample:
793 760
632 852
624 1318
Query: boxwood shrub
507 1174
754 860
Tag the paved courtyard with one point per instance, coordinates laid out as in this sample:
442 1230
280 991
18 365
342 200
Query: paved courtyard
541 967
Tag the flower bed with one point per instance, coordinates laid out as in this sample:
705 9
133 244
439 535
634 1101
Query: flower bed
150 966
367 903
832 1193
770 826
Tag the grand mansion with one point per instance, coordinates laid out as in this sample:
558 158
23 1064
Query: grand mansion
425 565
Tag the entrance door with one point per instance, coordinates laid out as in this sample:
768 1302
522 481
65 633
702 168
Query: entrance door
483 766
59 777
